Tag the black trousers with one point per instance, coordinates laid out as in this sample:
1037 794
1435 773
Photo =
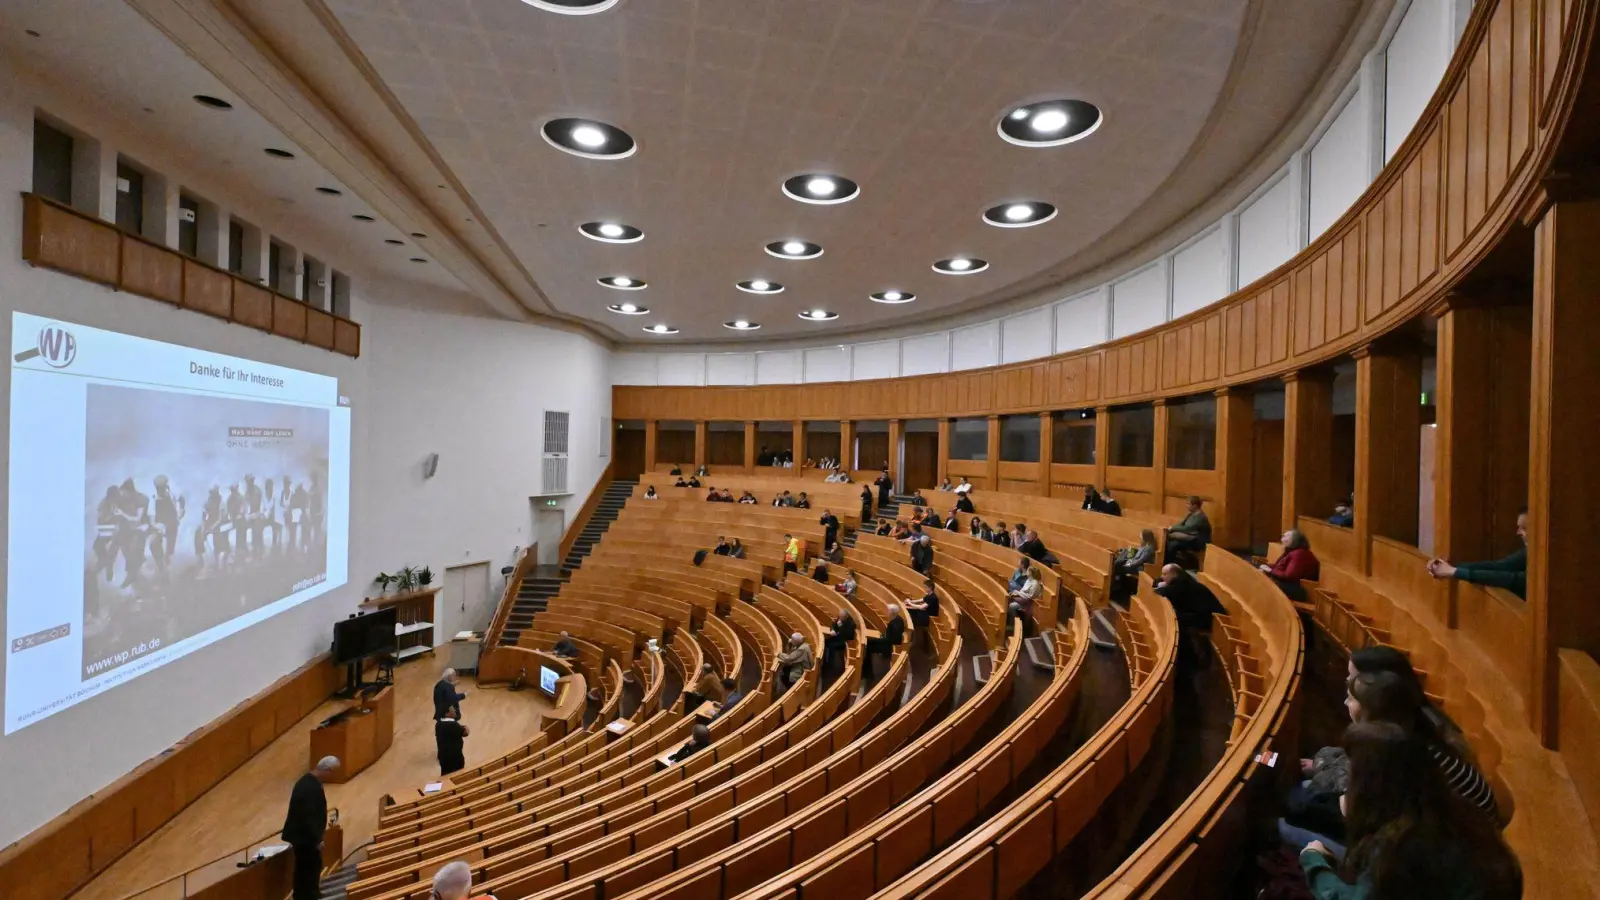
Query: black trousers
1294 590
1186 546
874 647
832 648
307 873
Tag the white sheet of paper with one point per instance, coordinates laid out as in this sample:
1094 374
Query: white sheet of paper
433 787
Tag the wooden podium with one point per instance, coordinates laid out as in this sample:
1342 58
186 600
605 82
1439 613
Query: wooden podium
358 735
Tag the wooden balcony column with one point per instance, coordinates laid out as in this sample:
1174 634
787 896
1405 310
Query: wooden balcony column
1102 445
944 451
897 433
1158 454
992 455
750 446
1307 446
1047 451
1388 449
700 428
652 433
1234 464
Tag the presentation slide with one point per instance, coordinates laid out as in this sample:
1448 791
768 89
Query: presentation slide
162 498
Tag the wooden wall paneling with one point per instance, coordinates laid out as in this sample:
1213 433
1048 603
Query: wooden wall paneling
1234 465
207 290
895 449
748 452
1266 482
1523 84
252 306
1461 468
1388 423
1307 446
1477 174
921 450
1102 445
992 453
319 328
1455 218
847 445
1047 450
60 238
944 452
1158 468
288 317
700 448
151 271
1579 734
652 444
1498 136
1563 481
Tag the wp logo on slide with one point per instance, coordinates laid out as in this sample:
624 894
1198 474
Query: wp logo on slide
57 347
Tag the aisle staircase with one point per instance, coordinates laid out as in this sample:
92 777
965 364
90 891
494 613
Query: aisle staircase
544 582
891 511
335 882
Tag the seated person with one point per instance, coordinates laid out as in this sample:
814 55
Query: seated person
930 519
1020 576
885 527
1019 536
843 477
650 493
964 503
453 881
1033 548
847 587
839 635
707 686
677 469
699 739
819 570
1194 605
803 503
834 553
712 496
1407 834
951 523
680 483
1510 572
702 471
1189 536
1296 564
1109 504
747 498
694 482
722 548
922 555
946 485
726 496
734 696
917 499
911 534
894 634
795 662
1344 515
736 549
1129 563
1091 498
809 464
975 527
564 647
1020 601
1002 536
964 487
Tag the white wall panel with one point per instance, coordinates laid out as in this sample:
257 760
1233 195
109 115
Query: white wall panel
778 367
1417 56
1026 336
684 369
731 368
828 364
925 354
1200 273
975 347
634 368
1267 232
1139 301
1083 321
1339 165
879 359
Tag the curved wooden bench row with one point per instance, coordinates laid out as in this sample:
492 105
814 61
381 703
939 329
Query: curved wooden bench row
999 856
847 496
733 577
676 500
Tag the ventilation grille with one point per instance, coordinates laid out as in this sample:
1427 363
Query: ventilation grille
554 475
555 431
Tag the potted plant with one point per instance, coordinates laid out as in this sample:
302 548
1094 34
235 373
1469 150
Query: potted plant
406 580
425 577
383 581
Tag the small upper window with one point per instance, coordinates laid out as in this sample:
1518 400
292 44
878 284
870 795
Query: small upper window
52 162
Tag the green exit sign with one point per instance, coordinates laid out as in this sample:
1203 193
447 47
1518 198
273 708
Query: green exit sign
550 503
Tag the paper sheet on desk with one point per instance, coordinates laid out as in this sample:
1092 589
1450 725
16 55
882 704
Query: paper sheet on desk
270 850
433 787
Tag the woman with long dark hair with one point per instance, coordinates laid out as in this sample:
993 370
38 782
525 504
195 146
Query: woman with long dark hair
1410 835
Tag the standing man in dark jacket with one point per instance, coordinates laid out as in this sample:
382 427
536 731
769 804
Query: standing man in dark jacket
450 738
445 696
885 486
830 528
1509 572
304 826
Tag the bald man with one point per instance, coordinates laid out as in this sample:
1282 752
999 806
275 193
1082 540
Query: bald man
303 827
446 699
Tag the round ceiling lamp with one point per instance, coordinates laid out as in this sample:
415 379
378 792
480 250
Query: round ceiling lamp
573 7
588 138
1021 214
629 309
821 189
819 315
611 232
893 296
760 286
660 329
742 325
1050 123
623 283
794 249
960 265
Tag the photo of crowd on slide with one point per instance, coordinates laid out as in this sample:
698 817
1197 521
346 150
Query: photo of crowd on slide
200 509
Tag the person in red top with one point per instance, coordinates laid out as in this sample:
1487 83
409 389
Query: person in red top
1296 564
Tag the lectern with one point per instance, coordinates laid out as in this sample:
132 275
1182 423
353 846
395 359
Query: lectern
357 734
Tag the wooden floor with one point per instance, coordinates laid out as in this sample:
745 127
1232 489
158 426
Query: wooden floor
250 803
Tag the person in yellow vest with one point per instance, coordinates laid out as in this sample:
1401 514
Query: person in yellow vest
791 554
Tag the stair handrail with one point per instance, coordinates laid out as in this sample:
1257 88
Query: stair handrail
508 597
243 855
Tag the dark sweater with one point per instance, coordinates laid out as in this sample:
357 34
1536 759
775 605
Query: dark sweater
1509 572
308 813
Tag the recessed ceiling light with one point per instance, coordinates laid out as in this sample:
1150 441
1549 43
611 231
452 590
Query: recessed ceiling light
1019 215
395 241
623 283
588 138
418 259
629 309
819 315
793 249
1050 123
661 329
821 189
611 232
760 286
332 192
281 154
960 265
893 296
418 235
742 325
213 102
363 217
30 32
573 7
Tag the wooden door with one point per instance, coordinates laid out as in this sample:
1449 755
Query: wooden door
872 450
1266 482
628 453
921 461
